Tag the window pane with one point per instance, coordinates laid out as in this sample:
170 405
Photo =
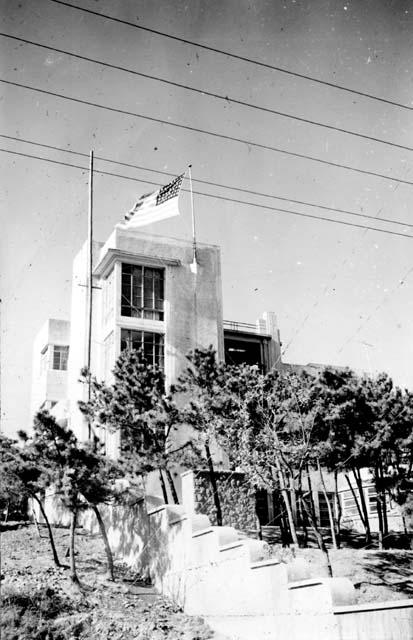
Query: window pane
142 292
60 355
150 343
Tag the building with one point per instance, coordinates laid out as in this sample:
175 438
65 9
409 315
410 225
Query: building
50 361
146 295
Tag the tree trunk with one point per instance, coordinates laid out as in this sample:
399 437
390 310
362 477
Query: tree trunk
318 535
311 495
330 512
380 518
164 493
172 486
286 499
36 523
353 493
6 517
379 507
49 531
213 481
357 477
385 520
108 550
302 515
293 501
383 502
73 573
339 509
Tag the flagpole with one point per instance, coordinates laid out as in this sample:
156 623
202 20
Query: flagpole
90 264
194 257
89 282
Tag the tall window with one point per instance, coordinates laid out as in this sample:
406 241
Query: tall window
142 292
60 355
151 344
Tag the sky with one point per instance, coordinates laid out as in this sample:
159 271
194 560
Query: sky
342 295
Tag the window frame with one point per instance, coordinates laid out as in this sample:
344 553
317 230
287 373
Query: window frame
135 294
158 344
63 351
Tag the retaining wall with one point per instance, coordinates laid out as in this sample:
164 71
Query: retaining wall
236 587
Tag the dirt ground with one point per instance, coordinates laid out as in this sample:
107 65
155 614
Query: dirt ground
39 602
377 575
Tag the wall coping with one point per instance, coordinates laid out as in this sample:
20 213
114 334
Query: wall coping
231 545
179 519
156 509
301 584
269 562
202 532
373 606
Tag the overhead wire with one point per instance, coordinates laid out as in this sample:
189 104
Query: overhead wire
235 56
206 182
227 99
213 134
400 283
216 196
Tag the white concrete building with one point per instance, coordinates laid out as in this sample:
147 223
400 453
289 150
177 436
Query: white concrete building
145 296
50 361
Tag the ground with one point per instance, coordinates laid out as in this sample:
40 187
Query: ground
39 602
377 575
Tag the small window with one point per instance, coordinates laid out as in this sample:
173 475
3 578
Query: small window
151 344
349 505
60 355
142 292
372 500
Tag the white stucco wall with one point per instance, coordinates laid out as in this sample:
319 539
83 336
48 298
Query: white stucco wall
48 384
192 306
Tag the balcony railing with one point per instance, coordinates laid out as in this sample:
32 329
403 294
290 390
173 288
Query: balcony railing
244 327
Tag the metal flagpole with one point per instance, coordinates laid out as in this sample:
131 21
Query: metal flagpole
194 264
90 278
90 265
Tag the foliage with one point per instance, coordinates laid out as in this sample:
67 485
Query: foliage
80 474
136 406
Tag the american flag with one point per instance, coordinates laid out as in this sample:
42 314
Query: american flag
155 206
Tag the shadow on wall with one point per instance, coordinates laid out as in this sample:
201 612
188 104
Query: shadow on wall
135 538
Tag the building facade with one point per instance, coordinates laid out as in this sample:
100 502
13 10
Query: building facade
147 296
49 365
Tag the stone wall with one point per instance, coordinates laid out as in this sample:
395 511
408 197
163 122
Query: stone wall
237 499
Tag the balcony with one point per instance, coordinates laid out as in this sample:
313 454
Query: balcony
242 327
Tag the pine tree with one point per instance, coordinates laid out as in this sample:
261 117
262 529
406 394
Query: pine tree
23 474
138 407
80 475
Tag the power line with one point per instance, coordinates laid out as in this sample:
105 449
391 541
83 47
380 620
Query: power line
213 134
235 56
316 303
207 182
218 96
218 197
373 313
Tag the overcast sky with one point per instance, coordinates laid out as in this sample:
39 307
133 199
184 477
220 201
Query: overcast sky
338 291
